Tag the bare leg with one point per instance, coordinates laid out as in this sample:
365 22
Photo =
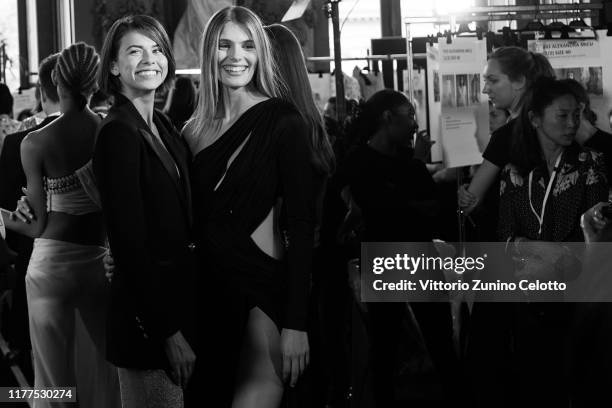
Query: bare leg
259 381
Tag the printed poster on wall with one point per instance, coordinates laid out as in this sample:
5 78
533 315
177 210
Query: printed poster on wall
463 124
418 95
433 100
589 62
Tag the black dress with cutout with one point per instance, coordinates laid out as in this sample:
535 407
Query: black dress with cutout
237 275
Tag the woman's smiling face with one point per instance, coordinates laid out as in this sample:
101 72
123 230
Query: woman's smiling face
237 56
141 66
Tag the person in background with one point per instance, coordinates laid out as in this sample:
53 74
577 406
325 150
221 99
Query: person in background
508 76
141 166
291 62
66 289
36 114
7 124
12 180
181 101
398 202
509 73
549 182
590 372
588 134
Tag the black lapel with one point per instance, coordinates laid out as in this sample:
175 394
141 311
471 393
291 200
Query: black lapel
180 153
164 156
124 104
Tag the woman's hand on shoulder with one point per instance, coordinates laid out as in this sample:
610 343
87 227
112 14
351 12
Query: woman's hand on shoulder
295 354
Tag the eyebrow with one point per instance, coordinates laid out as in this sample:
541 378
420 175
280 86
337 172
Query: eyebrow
228 40
140 46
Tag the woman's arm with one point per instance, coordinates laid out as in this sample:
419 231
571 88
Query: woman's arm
297 180
469 197
32 160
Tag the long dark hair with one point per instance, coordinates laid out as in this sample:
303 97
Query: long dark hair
525 150
291 64
183 101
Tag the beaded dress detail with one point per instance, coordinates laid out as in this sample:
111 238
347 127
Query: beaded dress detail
75 193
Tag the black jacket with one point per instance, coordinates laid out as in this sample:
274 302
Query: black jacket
147 210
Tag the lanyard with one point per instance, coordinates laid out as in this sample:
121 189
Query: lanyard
548 188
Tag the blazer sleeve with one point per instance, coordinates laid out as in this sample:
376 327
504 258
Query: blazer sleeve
10 167
117 164
297 182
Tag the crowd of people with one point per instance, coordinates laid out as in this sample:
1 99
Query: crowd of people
199 254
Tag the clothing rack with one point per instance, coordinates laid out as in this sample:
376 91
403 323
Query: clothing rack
382 57
501 13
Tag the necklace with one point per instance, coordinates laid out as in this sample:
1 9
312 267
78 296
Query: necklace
553 175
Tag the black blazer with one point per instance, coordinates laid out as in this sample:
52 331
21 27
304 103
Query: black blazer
12 179
147 210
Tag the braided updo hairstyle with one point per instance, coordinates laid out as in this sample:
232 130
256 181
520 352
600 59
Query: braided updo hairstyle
77 70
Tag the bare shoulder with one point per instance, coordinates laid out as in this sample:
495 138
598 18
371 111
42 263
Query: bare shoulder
36 139
33 145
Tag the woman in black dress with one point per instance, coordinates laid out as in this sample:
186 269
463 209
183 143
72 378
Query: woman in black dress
398 202
252 177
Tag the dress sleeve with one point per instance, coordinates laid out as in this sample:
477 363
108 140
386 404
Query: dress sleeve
117 166
297 182
9 165
374 194
498 149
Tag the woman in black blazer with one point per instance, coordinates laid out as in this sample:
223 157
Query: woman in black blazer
141 166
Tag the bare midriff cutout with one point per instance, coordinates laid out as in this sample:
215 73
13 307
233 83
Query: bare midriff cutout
267 236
